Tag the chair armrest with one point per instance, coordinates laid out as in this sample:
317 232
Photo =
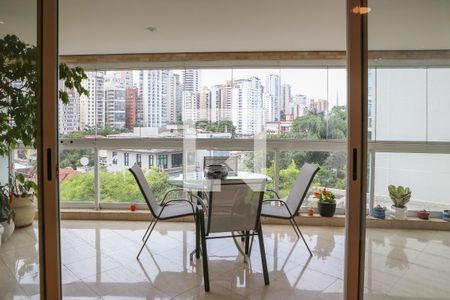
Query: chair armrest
170 191
273 192
283 203
275 200
178 200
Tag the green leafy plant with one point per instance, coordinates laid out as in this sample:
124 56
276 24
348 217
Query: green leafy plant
325 196
399 195
22 186
18 85
6 213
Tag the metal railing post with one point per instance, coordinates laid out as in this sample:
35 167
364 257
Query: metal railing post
276 184
372 182
96 180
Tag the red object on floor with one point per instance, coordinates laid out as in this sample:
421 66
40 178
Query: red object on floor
133 206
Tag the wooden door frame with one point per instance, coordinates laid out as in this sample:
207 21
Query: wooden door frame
357 61
47 149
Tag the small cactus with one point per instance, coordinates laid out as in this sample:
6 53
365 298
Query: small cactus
399 195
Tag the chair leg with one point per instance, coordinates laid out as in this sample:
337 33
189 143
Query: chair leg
251 246
304 241
263 255
247 242
295 228
197 236
148 228
146 239
204 253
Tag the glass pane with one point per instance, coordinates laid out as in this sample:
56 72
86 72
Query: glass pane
408 107
401 112
19 236
76 176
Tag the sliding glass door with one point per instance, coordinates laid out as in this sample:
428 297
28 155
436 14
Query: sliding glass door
407 255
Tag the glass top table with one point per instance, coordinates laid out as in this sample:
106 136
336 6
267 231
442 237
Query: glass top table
197 180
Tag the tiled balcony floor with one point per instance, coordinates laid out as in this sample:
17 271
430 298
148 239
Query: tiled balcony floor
99 263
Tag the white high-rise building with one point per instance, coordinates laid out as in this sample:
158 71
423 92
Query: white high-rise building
247 112
92 107
216 105
191 80
204 103
191 107
299 106
174 98
273 88
114 104
153 87
268 106
286 98
69 113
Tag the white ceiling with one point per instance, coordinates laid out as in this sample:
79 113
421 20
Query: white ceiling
119 26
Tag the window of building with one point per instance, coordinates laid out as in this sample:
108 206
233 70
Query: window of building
162 161
151 161
114 158
177 160
126 159
139 160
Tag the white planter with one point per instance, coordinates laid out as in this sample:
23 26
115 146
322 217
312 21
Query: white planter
8 229
24 209
399 213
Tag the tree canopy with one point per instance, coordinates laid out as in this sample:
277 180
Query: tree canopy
18 85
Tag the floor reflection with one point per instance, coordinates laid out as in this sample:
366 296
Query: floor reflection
99 263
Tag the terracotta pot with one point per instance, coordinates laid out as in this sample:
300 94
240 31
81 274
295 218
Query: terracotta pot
25 210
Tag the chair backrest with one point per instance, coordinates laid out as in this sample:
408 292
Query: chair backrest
236 206
145 189
301 186
230 161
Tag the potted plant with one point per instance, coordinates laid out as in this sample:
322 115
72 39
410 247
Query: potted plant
400 196
379 212
326 202
23 204
423 214
18 105
6 215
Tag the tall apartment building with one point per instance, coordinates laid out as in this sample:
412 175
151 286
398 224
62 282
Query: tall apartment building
204 103
131 95
153 90
268 107
92 107
69 113
286 98
216 108
114 105
174 98
227 101
298 106
273 88
191 106
247 113
191 80
319 105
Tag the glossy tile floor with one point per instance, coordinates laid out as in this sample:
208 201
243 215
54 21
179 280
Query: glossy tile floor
99 263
